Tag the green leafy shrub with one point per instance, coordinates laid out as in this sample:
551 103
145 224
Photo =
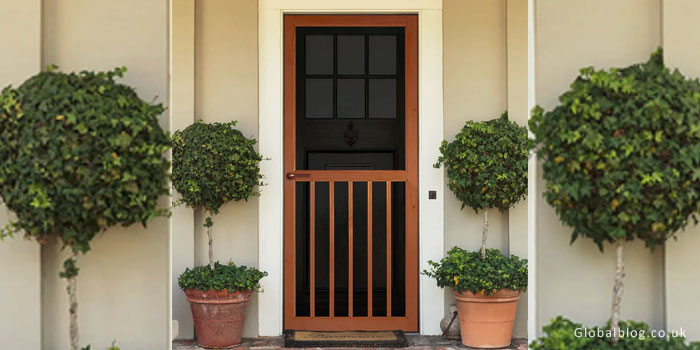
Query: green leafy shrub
213 164
621 156
486 164
80 153
621 153
561 334
466 271
231 277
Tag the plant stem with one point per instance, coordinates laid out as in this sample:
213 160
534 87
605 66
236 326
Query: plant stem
618 288
73 308
211 248
484 234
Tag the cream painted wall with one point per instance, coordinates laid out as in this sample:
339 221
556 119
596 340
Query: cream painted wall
517 46
21 58
576 281
123 287
681 38
476 87
22 261
226 88
181 115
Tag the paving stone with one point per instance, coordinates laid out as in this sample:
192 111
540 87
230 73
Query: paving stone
415 341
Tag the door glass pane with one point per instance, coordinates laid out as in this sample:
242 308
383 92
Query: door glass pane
351 54
382 54
322 245
319 54
351 98
303 298
382 98
379 251
319 98
341 249
360 285
398 249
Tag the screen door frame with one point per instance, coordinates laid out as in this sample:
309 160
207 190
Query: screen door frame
409 176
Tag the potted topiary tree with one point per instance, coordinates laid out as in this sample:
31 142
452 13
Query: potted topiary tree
80 153
214 164
486 168
620 157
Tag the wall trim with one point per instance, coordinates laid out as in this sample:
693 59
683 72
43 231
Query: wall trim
270 122
361 6
533 194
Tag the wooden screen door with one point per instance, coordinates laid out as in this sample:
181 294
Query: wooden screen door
351 166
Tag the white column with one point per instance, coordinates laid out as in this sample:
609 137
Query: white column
270 121
182 29
430 126
681 43
518 111
20 295
532 183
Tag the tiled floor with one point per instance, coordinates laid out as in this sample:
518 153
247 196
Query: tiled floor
416 342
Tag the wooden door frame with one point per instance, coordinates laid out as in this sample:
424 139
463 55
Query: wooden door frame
410 321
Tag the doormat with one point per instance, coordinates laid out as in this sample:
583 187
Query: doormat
355 339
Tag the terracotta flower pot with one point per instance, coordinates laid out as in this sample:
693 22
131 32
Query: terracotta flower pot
218 317
487 321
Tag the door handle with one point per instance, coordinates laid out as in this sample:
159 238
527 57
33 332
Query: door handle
293 175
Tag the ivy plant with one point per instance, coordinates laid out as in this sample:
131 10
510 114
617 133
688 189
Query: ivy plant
621 156
462 271
486 166
80 153
212 165
228 277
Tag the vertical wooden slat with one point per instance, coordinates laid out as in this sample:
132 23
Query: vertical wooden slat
331 232
290 256
411 125
312 247
388 248
350 249
369 248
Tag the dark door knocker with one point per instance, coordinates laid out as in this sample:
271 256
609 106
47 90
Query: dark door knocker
351 135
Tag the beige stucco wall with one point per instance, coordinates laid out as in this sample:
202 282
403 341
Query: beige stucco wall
576 281
681 38
226 88
20 259
518 111
123 287
181 116
476 88
21 294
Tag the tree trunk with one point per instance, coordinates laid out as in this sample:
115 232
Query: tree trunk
211 248
484 234
618 288
73 308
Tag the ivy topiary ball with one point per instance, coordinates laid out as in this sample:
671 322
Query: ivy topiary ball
80 153
486 164
213 164
621 153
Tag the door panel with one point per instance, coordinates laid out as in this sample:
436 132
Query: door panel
351 164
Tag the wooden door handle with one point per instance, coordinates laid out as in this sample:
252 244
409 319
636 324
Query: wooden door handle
293 175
